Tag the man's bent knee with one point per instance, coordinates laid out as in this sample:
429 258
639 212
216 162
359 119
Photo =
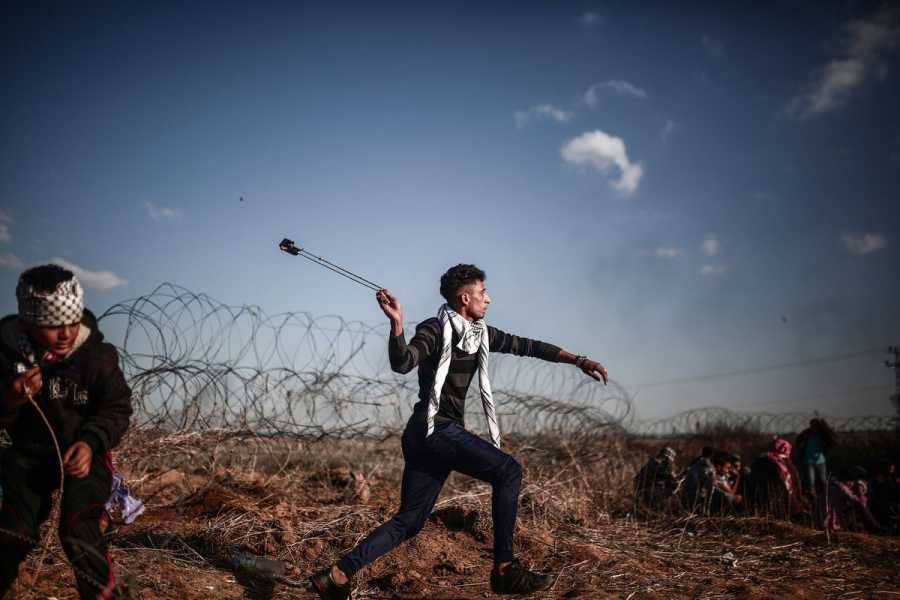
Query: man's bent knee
510 473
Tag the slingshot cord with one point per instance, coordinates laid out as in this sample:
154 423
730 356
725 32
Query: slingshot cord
292 249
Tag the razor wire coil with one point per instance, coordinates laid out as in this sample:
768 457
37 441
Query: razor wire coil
195 363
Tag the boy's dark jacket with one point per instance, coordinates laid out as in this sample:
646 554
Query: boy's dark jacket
84 395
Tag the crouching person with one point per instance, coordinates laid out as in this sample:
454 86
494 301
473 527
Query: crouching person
704 489
656 482
52 354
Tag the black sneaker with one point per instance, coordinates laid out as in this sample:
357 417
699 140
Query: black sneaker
516 579
327 588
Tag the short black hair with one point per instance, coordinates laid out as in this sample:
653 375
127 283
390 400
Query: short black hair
46 277
457 277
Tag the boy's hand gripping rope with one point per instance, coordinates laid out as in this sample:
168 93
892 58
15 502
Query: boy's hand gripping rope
288 246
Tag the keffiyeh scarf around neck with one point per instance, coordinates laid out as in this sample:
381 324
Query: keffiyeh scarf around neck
473 337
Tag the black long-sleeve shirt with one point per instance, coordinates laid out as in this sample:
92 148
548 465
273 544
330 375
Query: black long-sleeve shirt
84 396
424 351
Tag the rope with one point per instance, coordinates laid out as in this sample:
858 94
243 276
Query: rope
55 516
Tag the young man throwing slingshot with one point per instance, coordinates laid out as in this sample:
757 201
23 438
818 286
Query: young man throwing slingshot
448 350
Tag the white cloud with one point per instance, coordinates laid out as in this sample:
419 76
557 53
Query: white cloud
603 151
545 111
590 19
711 245
101 280
9 260
615 86
161 212
668 129
4 216
664 252
712 270
863 244
831 86
713 47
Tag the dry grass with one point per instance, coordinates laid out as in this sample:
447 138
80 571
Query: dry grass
210 496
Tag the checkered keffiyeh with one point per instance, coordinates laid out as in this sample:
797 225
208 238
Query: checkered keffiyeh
62 306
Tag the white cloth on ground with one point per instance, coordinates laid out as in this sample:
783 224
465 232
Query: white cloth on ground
120 498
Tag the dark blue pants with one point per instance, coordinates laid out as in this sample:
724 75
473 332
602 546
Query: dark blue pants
428 463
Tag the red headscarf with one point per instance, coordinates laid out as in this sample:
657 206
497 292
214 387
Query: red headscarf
778 453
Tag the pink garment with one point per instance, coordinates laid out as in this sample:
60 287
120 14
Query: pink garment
778 453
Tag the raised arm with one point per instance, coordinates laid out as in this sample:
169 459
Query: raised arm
403 356
500 341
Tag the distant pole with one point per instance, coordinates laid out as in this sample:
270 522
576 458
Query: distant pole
895 364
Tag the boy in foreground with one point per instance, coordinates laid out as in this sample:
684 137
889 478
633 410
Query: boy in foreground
52 354
448 351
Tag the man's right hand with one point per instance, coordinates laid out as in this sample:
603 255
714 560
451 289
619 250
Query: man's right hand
26 385
391 307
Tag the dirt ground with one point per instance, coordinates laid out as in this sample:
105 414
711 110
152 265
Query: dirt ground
210 497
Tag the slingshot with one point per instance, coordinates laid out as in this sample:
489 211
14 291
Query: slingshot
288 246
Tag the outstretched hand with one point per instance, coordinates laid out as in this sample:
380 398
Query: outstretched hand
595 370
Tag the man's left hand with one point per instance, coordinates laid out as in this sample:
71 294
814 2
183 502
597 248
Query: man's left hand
595 370
77 460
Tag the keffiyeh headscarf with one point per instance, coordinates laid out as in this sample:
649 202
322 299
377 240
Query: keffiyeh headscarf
473 337
63 306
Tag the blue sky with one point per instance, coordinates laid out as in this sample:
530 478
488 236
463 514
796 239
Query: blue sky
674 191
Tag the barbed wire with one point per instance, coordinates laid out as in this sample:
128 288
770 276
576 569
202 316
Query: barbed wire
195 363
703 419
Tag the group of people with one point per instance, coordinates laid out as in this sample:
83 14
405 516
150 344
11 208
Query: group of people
788 481
61 387
711 483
